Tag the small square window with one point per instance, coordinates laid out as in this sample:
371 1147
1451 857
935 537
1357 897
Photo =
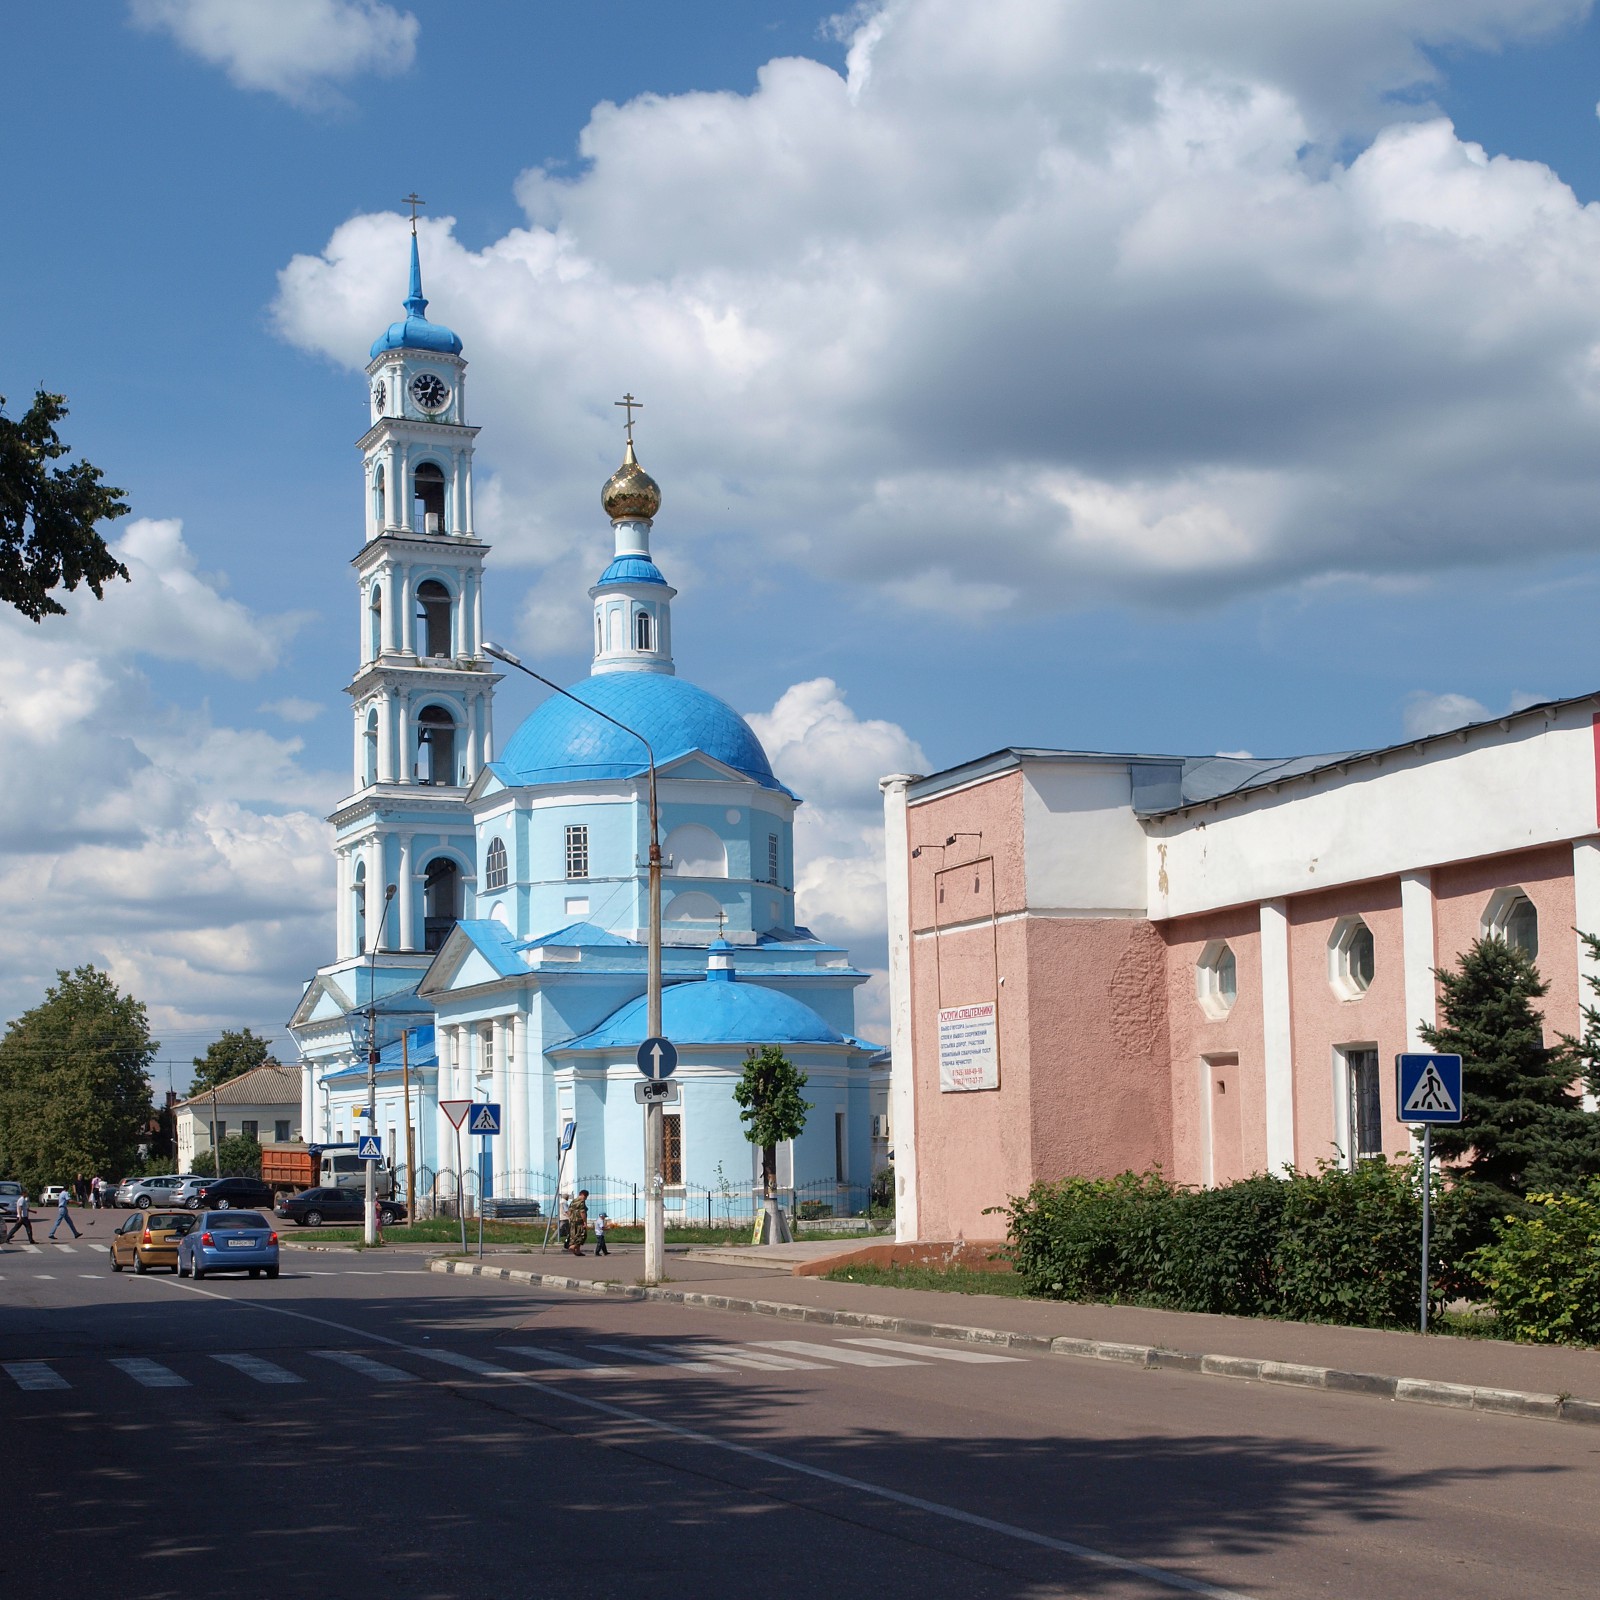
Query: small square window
250 1129
280 1130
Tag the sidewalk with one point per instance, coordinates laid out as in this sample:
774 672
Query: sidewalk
1484 1374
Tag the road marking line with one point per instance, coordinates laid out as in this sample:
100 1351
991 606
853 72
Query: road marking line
378 1371
973 1356
261 1371
1009 1530
33 1249
35 1375
558 1358
832 1352
88 1274
66 1249
150 1373
663 1358
45 1277
763 1361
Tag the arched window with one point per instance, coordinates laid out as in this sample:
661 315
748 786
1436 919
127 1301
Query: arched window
358 906
375 630
1217 979
433 612
695 852
1512 916
378 500
428 499
599 634
495 873
436 746
441 901
693 907
370 746
643 631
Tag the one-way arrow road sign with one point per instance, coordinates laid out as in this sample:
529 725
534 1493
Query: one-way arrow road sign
657 1058
1428 1088
485 1119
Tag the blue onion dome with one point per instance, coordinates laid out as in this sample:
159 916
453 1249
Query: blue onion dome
713 1012
415 332
632 568
631 494
562 743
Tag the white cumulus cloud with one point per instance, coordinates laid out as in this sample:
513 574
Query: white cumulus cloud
295 49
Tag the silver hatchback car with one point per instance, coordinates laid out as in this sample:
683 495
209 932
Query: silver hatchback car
142 1193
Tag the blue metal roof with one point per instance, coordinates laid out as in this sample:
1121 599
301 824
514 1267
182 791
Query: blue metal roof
721 1010
584 935
421 1052
632 569
496 943
415 332
562 743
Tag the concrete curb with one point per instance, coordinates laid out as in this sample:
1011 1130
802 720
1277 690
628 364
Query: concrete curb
1416 1391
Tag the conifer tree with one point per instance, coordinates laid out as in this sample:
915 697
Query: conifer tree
1524 1127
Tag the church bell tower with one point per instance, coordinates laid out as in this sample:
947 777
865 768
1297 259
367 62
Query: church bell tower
422 694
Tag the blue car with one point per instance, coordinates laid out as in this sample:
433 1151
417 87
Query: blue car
229 1241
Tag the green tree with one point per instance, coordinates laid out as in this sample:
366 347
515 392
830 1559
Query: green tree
1524 1127
768 1097
74 1082
241 1158
48 514
237 1051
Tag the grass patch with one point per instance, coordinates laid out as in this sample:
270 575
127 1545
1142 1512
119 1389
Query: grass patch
951 1280
433 1230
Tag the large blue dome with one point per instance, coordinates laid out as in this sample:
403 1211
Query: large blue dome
562 743
713 1012
414 331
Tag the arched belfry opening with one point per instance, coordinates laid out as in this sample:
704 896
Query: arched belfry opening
433 617
358 906
375 623
369 747
441 901
436 746
428 499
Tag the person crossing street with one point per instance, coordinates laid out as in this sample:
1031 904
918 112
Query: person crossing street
24 1219
63 1214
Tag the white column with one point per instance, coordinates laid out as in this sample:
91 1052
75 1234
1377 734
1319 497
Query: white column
341 905
466 482
391 610
477 611
1418 955
308 1101
405 894
522 1082
1586 915
444 1133
499 1048
358 768
1277 1039
374 855
902 1033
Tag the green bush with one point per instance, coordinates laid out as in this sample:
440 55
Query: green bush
1330 1246
1542 1271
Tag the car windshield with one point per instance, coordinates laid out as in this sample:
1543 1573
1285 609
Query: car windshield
10 1188
218 1220
164 1220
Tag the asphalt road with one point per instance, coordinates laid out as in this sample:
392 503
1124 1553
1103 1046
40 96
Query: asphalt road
362 1426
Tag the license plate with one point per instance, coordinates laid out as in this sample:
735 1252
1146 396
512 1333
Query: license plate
236 1244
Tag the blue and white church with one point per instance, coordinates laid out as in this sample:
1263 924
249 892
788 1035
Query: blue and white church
509 964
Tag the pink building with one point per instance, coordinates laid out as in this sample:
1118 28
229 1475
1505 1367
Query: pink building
1108 961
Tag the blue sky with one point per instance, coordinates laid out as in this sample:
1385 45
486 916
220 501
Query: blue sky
1104 375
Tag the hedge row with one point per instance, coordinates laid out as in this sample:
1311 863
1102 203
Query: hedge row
1334 1246
1542 1270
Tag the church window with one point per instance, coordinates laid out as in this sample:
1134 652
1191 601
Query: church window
369 739
495 873
428 499
1352 958
578 850
358 907
441 901
436 746
375 629
643 632
672 1149
433 612
1512 916
772 858
599 634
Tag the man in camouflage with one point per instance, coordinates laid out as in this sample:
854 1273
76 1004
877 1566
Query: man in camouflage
578 1222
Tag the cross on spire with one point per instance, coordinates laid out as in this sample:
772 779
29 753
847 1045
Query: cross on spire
630 405
413 200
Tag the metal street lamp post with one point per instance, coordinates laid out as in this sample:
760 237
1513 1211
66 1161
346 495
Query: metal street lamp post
371 1232
654 1206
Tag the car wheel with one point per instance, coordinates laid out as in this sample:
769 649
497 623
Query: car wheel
143 1202
255 1272
116 1266
222 1204
195 1272
193 1202
272 1272
313 1219
139 1268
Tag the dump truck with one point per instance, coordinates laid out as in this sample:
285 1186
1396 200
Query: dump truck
294 1165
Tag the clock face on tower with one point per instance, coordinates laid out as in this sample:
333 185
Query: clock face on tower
429 391
379 394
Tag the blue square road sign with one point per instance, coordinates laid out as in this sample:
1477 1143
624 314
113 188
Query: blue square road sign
369 1147
1428 1088
484 1119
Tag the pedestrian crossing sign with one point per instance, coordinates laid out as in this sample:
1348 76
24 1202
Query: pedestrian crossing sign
369 1147
485 1118
1428 1088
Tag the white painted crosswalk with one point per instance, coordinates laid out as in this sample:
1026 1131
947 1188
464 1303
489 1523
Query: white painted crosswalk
769 1358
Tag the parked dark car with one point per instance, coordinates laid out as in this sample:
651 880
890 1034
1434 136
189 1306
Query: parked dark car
228 1241
312 1207
222 1193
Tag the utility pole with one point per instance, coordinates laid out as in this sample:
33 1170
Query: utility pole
216 1151
411 1148
371 1231
655 1215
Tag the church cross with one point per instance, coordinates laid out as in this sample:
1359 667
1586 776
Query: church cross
630 405
413 200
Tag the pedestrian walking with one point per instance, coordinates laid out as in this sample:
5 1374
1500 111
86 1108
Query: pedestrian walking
600 1235
24 1219
578 1222
94 1192
63 1214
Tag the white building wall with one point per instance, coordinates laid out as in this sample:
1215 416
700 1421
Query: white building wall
1085 848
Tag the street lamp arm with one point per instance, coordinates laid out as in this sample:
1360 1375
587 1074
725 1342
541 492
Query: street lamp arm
500 653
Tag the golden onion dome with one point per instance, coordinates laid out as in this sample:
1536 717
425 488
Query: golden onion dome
631 494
